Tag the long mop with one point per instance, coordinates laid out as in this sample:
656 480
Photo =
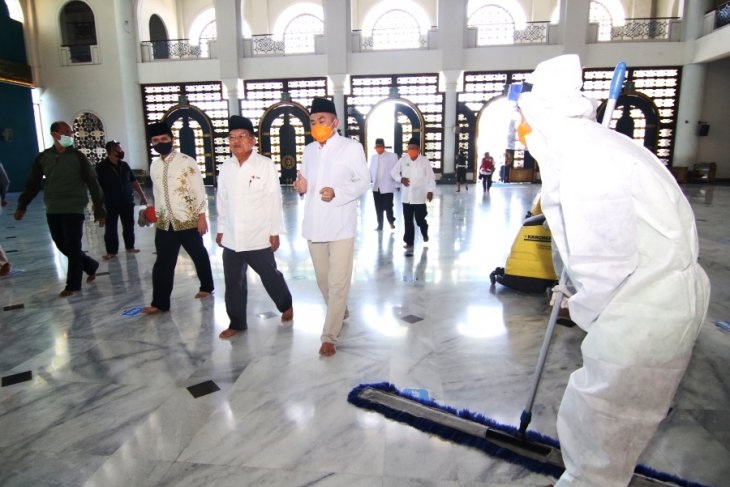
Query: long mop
617 81
532 450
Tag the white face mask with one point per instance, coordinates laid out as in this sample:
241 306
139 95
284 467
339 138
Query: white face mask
66 141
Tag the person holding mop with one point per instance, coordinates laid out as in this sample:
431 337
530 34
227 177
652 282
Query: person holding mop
627 237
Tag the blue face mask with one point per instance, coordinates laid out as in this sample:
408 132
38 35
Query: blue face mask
66 141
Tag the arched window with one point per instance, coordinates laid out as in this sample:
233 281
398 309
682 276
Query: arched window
78 31
209 33
397 29
600 15
202 30
299 33
395 24
158 37
297 25
494 24
89 137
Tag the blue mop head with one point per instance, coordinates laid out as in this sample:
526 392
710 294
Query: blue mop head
450 434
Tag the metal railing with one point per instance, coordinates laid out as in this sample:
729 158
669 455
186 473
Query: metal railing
292 43
266 45
504 33
722 15
534 33
174 49
387 39
643 29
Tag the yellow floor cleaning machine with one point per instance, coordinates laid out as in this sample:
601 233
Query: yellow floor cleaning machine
529 267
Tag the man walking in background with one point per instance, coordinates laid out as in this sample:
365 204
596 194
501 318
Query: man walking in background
116 179
69 178
383 183
419 183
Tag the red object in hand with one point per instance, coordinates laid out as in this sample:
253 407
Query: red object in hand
149 212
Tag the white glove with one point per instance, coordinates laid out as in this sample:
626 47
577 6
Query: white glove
565 292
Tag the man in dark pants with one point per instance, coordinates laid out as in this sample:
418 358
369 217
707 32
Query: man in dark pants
68 177
384 185
180 210
418 182
249 223
116 179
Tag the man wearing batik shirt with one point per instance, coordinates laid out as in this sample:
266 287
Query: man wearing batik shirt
180 210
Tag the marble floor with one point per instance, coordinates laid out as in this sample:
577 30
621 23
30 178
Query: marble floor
108 403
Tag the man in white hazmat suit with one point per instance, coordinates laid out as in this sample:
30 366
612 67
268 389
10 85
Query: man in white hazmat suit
628 239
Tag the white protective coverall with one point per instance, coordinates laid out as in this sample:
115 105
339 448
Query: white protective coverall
628 239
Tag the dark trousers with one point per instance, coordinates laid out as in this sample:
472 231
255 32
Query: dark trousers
486 181
66 232
125 213
167 245
417 212
383 204
263 263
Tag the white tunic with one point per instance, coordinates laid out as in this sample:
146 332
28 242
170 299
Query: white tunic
422 180
248 203
339 164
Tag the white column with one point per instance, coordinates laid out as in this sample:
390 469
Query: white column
451 33
338 90
228 42
231 84
688 115
450 78
691 94
574 25
337 32
135 143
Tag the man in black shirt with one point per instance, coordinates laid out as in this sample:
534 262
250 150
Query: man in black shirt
117 181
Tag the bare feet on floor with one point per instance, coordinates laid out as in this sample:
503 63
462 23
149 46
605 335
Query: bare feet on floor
327 349
151 310
288 315
202 294
108 256
66 293
92 275
229 333
133 251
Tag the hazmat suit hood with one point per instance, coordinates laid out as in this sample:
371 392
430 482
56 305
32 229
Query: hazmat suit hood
555 97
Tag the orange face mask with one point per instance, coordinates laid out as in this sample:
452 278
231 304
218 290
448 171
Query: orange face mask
523 130
413 153
320 133
379 150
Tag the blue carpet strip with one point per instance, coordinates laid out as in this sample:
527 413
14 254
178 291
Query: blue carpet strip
450 434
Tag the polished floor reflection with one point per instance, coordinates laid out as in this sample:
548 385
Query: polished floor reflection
108 404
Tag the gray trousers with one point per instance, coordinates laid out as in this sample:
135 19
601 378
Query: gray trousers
263 263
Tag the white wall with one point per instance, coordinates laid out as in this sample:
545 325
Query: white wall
67 91
165 9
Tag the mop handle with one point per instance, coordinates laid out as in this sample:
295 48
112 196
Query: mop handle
546 341
617 82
